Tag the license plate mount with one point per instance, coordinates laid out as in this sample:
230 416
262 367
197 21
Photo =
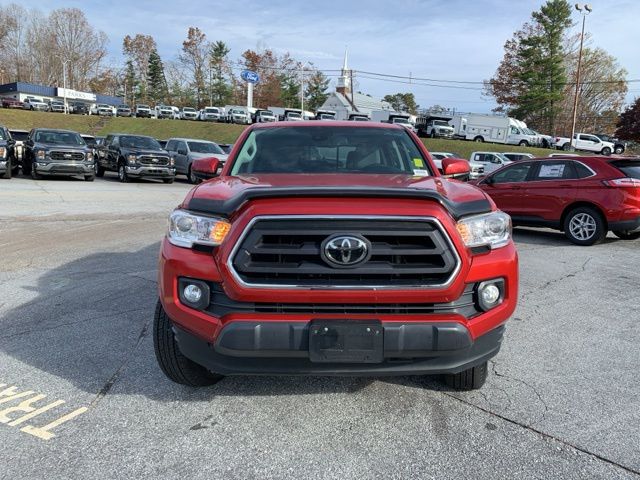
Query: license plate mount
346 341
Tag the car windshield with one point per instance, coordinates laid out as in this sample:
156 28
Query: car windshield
440 123
123 107
330 150
294 115
2 135
59 138
266 113
143 106
400 120
205 147
140 142
188 109
631 168
211 110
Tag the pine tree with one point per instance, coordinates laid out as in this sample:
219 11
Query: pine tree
290 90
221 90
316 91
157 83
131 83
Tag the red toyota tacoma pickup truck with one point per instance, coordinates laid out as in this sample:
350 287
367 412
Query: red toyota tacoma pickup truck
333 250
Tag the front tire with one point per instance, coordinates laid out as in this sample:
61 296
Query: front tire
99 170
122 174
192 178
625 235
433 134
524 143
619 150
584 226
479 139
35 175
606 151
470 379
89 178
566 147
172 362
9 171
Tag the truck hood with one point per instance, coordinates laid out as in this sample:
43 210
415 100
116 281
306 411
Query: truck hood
221 157
224 195
151 153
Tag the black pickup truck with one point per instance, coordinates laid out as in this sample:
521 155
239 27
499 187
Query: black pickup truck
8 162
57 152
134 156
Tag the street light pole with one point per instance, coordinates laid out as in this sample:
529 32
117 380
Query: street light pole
584 10
64 84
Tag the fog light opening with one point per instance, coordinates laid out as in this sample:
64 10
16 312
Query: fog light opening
490 294
192 293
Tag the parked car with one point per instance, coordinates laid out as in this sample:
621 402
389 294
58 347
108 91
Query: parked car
56 107
476 170
123 111
143 111
176 113
582 196
372 271
491 160
57 152
32 103
185 150
11 103
8 162
518 156
618 145
188 113
102 109
134 156
238 115
162 111
430 126
585 142
79 108
262 116
211 114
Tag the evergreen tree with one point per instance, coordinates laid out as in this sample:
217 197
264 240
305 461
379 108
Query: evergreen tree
290 90
221 90
316 91
131 82
157 83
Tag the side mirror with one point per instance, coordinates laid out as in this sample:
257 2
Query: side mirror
455 167
205 168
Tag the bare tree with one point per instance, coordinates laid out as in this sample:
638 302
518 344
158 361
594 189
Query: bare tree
195 50
138 49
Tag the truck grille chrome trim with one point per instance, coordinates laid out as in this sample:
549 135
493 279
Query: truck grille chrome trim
284 252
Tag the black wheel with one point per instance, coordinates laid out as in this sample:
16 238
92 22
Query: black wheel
478 139
9 171
89 178
433 134
626 235
168 180
523 143
35 175
173 363
122 174
566 147
26 168
619 150
470 379
584 226
545 143
606 151
99 170
192 178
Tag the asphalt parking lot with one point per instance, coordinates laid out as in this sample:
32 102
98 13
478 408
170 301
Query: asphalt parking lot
77 292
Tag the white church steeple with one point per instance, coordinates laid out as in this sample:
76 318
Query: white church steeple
344 80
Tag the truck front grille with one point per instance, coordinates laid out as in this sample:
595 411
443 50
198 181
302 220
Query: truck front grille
61 156
286 252
155 161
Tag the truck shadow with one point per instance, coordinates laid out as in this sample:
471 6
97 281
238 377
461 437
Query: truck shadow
89 322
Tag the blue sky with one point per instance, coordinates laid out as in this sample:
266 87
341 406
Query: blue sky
450 40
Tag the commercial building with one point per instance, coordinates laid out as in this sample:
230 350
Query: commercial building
21 91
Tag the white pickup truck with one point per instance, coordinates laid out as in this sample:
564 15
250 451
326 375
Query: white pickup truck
586 142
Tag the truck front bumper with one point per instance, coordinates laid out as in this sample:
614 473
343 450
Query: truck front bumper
64 168
151 172
282 348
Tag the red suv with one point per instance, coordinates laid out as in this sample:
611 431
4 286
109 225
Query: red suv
333 250
583 196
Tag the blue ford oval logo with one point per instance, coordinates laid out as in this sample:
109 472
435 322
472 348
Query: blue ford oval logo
250 76
344 251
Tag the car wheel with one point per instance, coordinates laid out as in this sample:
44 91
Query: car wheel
545 144
99 170
168 180
626 235
26 168
9 171
584 226
192 178
35 175
469 379
433 134
619 150
566 147
89 178
122 174
524 143
606 151
173 363
478 139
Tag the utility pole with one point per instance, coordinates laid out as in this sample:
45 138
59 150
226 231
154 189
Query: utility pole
351 87
210 87
64 84
584 10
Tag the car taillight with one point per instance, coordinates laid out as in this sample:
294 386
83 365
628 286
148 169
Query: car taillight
625 182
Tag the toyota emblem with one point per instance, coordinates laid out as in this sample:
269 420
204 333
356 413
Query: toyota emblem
345 251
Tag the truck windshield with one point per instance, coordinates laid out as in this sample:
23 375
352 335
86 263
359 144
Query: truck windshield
320 149
59 138
294 115
205 147
211 110
140 142
440 123
401 120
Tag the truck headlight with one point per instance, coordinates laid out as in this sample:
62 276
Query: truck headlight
490 229
89 157
40 155
131 159
187 229
172 161
3 152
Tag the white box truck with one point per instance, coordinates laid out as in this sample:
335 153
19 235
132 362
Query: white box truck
287 114
390 116
492 128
